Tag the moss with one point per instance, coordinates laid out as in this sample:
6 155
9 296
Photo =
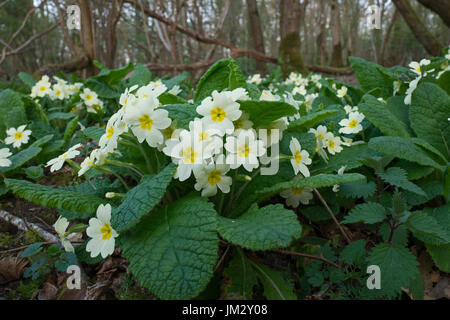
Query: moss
31 236
6 240
27 289
290 55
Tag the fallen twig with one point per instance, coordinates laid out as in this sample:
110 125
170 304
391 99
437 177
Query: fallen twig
22 225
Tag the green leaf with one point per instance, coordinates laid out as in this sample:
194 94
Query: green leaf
276 287
381 117
140 200
398 268
441 253
222 75
369 213
400 236
94 133
168 98
173 251
51 197
403 148
12 111
27 79
102 89
60 116
311 119
398 177
317 181
182 114
263 228
354 252
70 129
113 77
42 141
358 189
141 76
371 75
240 276
20 158
262 113
32 250
427 229
428 113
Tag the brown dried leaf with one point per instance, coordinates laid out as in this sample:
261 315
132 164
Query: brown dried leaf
12 268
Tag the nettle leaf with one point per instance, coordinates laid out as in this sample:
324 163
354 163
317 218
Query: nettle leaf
403 148
358 189
222 75
262 113
241 277
173 251
311 119
182 114
427 229
317 181
20 158
414 170
371 75
441 252
140 200
56 198
264 228
398 177
398 268
428 113
369 213
276 287
381 117
354 252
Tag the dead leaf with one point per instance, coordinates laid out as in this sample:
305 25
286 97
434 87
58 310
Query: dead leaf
12 268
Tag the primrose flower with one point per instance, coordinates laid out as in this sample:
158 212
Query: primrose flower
153 90
266 95
102 234
61 227
300 158
220 111
320 132
410 90
212 176
114 128
295 195
309 99
397 85
416 67
300 90
60 91
340 172
256 79
349 109
175 90
243 122
97 157
89 97
41 88
4 155
332 143
18 136
146 122
244 149
58 162
342 92
352 124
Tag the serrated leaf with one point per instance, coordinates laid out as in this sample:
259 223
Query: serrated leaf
398 267
369 213
428 113
140 200
381 117
427 229
358 189
398 177
400 236
263 228
262 113
51 197
354 252
403 148
276 287
222 75
310 120
173 251
241 278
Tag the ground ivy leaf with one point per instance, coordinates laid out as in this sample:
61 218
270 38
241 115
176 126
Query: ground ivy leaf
173 251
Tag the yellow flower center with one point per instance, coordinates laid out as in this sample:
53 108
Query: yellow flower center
244 150
297 190
42 88
352 124
58 92
203 136
106 231
418 70
18 135
331 144
89 97
238 124
298 156
110 132
189 155
146 122
218 114
320 136
214 177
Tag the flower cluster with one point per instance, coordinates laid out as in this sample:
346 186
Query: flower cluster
58 91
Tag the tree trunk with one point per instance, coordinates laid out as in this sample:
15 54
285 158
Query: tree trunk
87 34
336 55
111 42
428 41
290 55
387 35
321 43
441 7
256 32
